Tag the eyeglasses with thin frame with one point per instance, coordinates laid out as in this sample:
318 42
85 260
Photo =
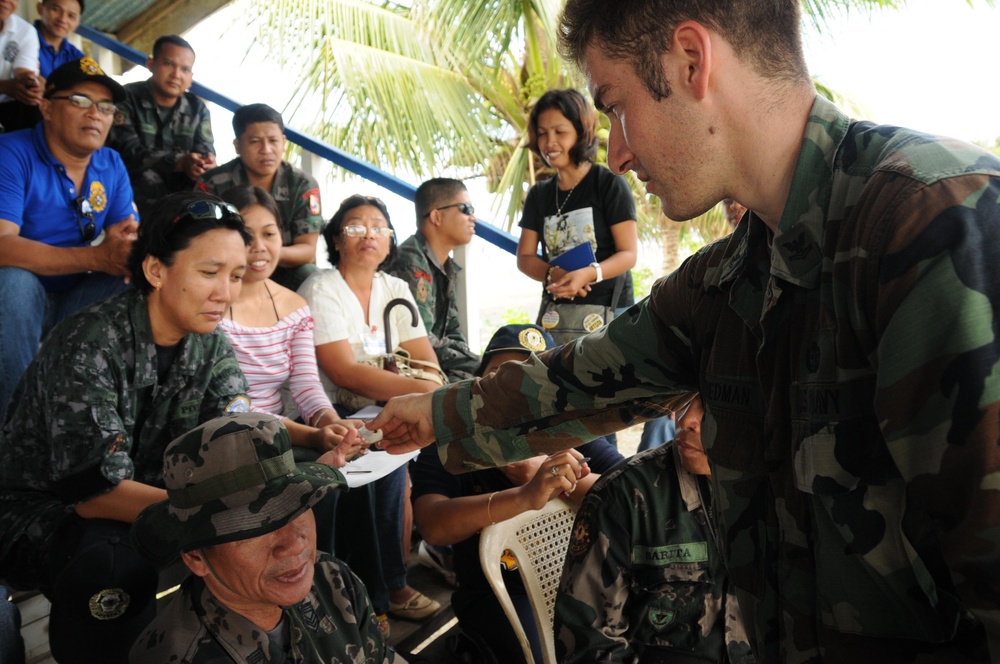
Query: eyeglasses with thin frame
464 208
85 210
205 209
357 230
85 102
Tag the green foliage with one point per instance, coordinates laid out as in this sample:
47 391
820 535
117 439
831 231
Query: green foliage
995 148
642 281
515 316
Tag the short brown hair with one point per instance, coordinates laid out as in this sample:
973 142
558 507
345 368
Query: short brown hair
579 111
764 33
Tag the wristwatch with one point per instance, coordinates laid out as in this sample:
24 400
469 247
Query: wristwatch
600 273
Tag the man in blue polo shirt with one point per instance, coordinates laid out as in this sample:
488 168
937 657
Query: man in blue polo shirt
57 20
59 189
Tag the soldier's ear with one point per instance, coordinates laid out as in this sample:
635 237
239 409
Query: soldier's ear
195 561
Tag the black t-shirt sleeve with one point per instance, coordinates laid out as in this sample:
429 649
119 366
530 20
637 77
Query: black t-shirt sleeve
533 216
430 477
616 197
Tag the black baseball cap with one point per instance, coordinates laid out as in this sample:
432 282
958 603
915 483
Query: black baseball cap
69 74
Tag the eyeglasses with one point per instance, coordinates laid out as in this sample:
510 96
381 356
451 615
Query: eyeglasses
85 102
204 209
357 230
464 208
85 209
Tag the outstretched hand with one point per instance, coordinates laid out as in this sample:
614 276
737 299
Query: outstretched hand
339 443
406 423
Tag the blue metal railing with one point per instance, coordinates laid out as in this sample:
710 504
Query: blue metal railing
492 234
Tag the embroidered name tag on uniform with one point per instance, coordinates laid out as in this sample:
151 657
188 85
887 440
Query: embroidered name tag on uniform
674 554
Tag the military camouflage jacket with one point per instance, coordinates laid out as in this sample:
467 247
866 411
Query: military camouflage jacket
90 412
195 628
851 378
150 147
433 286
644 580
295 191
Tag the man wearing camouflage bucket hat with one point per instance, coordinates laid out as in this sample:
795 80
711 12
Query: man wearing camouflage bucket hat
239 513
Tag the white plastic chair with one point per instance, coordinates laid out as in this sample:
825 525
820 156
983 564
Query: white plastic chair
539 540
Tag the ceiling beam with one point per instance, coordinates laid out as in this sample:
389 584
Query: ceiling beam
166 17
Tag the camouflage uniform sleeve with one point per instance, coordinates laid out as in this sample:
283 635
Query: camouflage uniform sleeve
227 391
412 267
121 197
203 141
632 370
590 620
456 358
938 395
307 215
90 444
126 138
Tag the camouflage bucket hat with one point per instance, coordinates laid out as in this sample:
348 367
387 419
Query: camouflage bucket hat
232 478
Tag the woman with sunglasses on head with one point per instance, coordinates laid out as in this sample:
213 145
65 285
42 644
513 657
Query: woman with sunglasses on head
349 303
82 446
583 203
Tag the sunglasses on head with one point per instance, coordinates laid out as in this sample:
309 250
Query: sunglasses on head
464 208
85 210
208 210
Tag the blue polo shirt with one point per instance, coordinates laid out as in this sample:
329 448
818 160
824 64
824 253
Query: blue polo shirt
37 194
49 58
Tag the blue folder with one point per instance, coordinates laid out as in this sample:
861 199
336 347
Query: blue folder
579 256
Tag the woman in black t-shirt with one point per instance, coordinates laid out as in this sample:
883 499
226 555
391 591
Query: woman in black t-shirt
583 202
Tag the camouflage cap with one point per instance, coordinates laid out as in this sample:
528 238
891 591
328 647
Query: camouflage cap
232 478
70 73
525 338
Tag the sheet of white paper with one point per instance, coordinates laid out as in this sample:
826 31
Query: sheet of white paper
366 413
373 466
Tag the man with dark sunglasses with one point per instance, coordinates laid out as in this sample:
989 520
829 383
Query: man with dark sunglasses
445 220
60 188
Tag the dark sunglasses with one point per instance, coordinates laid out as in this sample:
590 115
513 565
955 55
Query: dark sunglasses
208 210
464 208
85 209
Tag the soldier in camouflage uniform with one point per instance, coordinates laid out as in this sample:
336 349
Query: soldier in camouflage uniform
843 339
239 513
445 220
82 447
644 581
162 131
260 143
